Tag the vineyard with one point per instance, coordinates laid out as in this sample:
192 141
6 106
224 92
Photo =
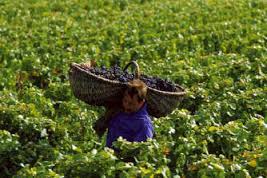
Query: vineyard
215 49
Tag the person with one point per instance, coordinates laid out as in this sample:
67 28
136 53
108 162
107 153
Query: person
132 122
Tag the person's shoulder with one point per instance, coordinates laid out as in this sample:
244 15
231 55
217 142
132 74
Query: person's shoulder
116 118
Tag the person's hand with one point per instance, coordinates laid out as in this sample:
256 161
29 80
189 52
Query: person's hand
100 126
89 64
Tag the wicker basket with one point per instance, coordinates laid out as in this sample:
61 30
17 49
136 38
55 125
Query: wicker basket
99 91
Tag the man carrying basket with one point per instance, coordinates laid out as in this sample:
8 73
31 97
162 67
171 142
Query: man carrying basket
128 119
132 122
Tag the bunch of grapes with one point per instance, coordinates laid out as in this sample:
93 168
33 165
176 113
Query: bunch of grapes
116 73
158 83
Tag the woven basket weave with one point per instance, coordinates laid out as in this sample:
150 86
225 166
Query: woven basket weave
96 90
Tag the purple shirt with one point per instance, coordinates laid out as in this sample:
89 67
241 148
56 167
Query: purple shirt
134 127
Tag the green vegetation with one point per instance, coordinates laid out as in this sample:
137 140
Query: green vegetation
216 49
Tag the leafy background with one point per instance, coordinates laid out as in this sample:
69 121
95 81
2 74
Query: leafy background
216 49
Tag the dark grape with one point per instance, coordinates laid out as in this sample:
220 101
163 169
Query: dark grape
116 73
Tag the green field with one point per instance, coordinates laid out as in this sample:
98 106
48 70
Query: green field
215 49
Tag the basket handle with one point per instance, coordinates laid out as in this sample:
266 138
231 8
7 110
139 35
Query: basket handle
137 70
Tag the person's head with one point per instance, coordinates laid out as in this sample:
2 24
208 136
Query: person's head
134 96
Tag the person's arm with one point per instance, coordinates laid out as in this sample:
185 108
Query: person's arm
144 132
101 125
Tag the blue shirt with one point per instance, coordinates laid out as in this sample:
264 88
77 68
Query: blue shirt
134 127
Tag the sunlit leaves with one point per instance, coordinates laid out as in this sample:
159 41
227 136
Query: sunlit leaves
215 49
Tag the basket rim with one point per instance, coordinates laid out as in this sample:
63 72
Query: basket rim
179 93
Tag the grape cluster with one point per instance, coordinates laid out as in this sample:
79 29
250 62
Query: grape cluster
158 83
116 73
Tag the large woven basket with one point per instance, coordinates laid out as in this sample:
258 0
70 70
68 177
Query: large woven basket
99 91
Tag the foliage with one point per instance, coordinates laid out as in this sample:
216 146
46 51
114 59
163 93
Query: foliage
215 49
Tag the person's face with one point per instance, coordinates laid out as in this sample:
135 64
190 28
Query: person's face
131 104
